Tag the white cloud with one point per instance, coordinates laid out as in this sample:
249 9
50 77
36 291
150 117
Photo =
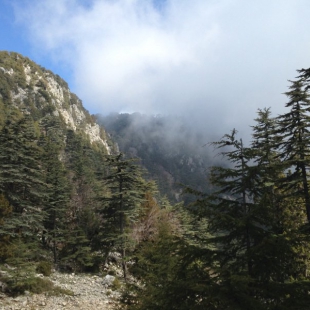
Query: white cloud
223 58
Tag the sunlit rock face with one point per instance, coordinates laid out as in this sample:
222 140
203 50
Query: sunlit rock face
38 91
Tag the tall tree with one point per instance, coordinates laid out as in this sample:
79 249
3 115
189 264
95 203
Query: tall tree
267 167
121 204
21 177
279 211
57 200
83 162
294 147
232 206
255 262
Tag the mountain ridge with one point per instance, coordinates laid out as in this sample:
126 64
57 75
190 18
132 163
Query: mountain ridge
30 87
170 150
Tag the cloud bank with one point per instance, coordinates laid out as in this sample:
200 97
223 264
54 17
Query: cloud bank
216 62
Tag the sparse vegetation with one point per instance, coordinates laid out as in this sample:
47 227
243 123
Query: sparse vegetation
44 268
32 284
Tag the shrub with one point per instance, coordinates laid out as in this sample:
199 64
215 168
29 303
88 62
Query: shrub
44 268
32 284
116 285
36 285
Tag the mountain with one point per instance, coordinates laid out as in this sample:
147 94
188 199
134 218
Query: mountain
172 151
53 161
67 197
42 94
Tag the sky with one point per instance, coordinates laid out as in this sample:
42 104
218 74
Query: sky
215 62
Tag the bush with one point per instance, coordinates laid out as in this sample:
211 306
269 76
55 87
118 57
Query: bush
32 284
36 285
116 285
44 268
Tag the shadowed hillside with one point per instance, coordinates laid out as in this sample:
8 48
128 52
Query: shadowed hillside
172 152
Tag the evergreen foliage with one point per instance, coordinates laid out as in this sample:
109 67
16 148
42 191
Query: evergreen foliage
254 253
21 178
120 205
64 201
57 200
293 131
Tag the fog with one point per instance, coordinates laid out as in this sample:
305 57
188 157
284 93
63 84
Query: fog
212 62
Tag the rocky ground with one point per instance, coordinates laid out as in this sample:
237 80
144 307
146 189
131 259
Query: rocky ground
89 292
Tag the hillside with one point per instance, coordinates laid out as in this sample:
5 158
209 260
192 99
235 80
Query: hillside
68 199
44 95
83 226
174 154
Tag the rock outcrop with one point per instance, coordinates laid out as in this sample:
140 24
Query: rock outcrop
41 93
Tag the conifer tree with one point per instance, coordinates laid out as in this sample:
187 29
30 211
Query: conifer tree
294 147
21 179
280 213
120 205
5 229
257 261
82 223
268 169
232 209
57 200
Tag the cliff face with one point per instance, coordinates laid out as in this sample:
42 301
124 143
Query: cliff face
35 90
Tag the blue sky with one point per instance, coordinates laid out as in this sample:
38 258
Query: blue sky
215 61
15 37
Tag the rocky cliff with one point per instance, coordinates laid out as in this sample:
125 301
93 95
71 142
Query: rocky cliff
39 92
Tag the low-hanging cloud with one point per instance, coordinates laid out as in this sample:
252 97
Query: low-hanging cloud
215 61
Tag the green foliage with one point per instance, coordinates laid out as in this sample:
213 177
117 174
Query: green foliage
76 254
257 254
174 274
47 175
32 284
116 285
25 251
20 172
63 199
294 140
5 229
44 268
57 199
120 205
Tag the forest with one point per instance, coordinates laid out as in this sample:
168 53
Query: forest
67 203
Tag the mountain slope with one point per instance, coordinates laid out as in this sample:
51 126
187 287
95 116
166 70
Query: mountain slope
171 151
37 91
52 160
66 195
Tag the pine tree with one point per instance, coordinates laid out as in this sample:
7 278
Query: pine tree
5 229
82 161
279 256
268 169
21 179
120 205
76 253
294 150
57 200
232 208
257 261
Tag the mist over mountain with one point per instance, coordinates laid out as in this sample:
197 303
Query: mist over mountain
175 154
71 201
